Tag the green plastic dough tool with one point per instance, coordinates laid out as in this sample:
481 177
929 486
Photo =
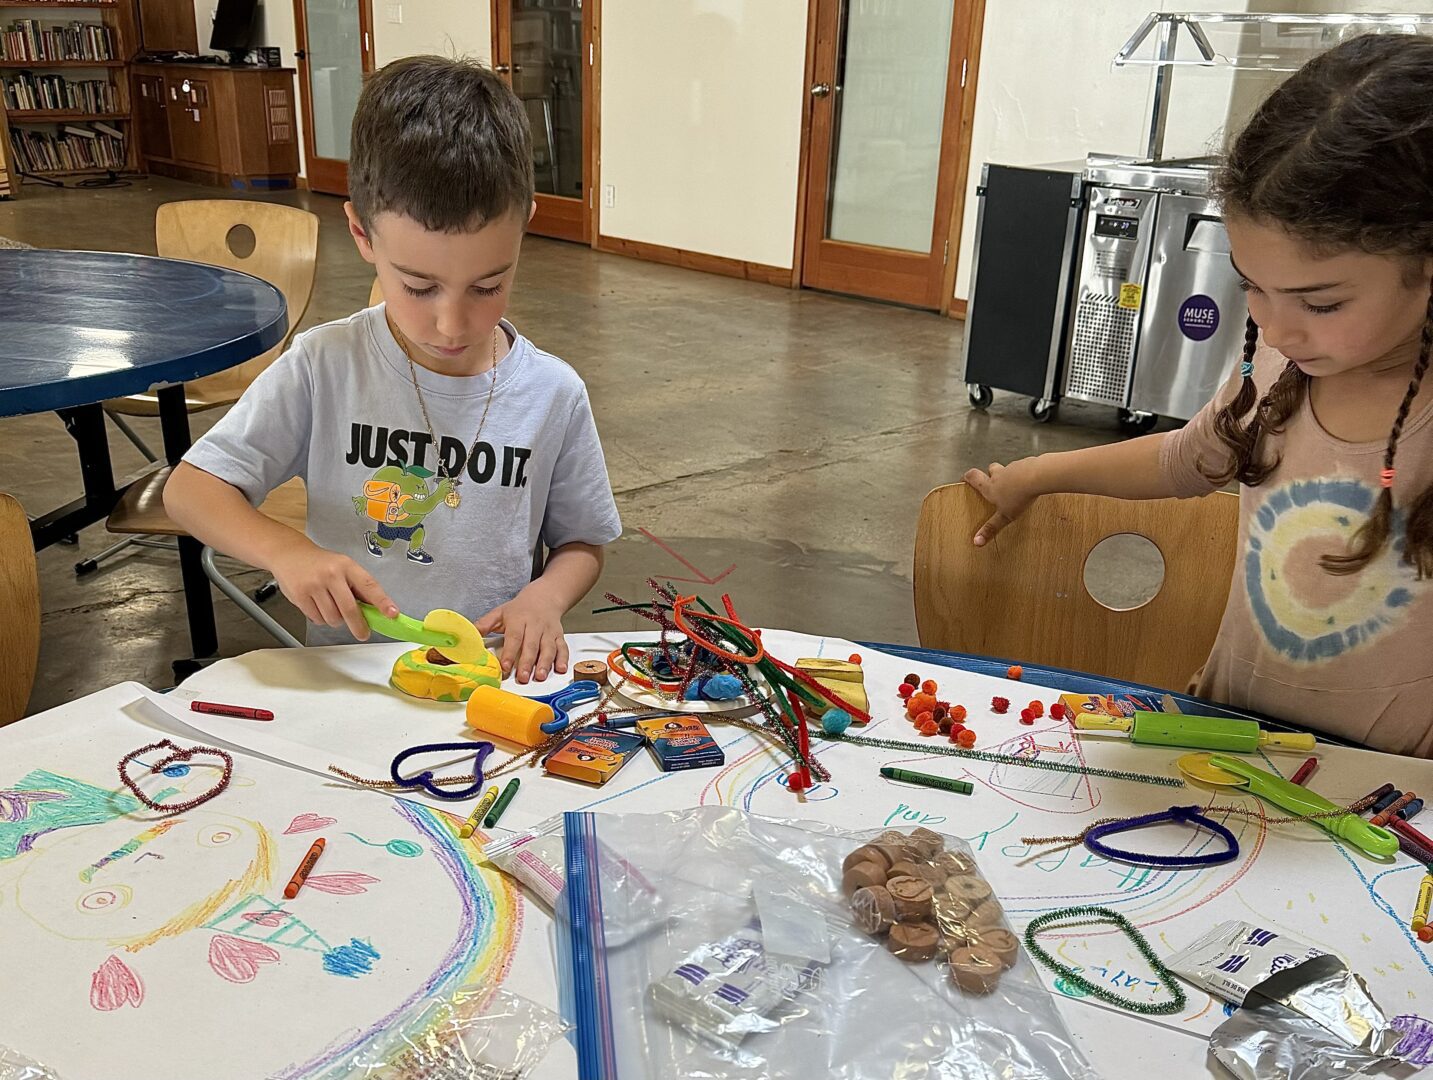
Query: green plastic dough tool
1378 842
403 628
1196 732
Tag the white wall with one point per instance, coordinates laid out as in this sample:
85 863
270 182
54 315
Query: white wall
701 124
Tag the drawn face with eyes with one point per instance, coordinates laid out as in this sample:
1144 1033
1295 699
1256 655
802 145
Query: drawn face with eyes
135 880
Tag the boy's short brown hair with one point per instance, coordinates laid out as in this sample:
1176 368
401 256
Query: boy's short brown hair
444 142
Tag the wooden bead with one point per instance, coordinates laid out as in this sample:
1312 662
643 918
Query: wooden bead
868 853
930 842
914 942
1000 941
923 870
861 876
987 914
594 670
973 889
912 898
954 863
975 969
874 909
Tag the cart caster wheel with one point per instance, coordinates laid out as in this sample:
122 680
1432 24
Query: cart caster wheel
266 592
1042 410
980 396
86 566
1140 422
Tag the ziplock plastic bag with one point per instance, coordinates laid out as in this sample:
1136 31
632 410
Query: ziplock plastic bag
16 1066
754 961
476 1033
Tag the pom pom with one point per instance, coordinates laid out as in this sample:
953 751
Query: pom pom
905 691
966 738
854 658
918 704
929 727
945 723
1057 711
958 713
1027 716
1015 671
939 713
1038 708
929 686
835 721
1000 705
924 717
913 680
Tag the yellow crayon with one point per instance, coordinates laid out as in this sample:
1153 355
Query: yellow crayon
1425 901
489 797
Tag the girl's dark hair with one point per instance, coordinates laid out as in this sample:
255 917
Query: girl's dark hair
444 142
1341 156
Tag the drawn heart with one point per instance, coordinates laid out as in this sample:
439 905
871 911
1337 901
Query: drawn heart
238 960
344 883
114 985
308 823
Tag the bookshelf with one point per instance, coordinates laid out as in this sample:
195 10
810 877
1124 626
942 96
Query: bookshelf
65 86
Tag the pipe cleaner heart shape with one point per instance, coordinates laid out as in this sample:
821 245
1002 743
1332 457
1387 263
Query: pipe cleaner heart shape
424 779
202 755
1180 815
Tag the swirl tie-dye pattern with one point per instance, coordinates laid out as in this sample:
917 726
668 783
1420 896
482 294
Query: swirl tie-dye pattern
1303 612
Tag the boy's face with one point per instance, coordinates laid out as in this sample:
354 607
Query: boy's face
445 291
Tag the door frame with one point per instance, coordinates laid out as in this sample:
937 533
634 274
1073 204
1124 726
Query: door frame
558 216
324 175
965 49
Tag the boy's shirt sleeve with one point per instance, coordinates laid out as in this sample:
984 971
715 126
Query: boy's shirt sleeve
264 439
580 507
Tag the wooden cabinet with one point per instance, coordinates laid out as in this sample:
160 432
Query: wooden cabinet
227 126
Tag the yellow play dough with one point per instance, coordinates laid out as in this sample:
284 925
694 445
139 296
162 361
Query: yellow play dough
415 676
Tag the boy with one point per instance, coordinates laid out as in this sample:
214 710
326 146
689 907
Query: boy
438 445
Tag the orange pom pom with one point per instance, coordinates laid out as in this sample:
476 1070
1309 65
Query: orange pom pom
1014 671
929 727
929 686
919 703
924 717
966 738
958 713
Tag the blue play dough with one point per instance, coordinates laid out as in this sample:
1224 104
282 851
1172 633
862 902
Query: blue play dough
722 688
835 721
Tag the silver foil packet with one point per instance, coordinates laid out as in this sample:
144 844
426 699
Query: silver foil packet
1313 1021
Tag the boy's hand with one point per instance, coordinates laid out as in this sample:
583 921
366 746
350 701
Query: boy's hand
533 642
327 587
1008 488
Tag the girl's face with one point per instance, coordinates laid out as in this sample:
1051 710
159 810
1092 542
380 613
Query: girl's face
1330 313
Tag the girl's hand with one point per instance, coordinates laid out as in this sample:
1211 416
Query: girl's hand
533 642
1009 488
327 587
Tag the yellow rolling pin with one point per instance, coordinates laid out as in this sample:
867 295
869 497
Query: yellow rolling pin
1197 732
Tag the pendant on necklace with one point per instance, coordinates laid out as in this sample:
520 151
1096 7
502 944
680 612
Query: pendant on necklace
453 499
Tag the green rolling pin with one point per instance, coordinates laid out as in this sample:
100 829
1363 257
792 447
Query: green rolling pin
1196 732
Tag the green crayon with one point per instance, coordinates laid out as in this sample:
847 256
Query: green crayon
502 803
944 783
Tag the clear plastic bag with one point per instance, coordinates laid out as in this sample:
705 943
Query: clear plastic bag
477 1033
753 962
16 1066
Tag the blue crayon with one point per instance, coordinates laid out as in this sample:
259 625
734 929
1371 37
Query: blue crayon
1385 802
1408 811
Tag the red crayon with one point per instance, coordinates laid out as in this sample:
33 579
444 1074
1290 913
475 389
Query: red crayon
305 868
1401 826
1304 771
238 712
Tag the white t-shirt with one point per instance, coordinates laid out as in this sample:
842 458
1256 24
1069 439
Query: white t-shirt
339 409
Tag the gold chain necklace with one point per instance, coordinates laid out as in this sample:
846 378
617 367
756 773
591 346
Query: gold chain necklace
453 498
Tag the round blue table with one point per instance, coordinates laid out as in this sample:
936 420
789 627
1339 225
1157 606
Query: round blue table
80 327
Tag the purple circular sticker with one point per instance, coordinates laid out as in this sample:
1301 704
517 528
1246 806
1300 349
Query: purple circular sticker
1199 318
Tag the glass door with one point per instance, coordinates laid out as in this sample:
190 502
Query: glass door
884 120
544 48
335 49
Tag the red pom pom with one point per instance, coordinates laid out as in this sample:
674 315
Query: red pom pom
1014 671
1000 705
1027 716
929 686
905 692
854 658
1057 711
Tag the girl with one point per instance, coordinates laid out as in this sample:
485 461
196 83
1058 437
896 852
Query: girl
1328 199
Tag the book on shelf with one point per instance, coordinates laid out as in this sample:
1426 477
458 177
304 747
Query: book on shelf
30 41
29 92
74 148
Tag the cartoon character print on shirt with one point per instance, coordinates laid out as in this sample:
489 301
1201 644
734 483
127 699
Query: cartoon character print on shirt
1304 613
396 500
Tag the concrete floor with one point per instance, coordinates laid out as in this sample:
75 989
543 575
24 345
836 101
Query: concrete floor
790 434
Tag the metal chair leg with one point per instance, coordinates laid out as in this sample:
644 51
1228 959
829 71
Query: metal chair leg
133 436
90 565
246 605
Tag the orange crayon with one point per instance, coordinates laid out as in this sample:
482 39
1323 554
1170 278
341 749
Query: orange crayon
305 868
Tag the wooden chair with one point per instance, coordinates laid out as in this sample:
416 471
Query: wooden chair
375 294
1023 596
20 604
268 240
281 247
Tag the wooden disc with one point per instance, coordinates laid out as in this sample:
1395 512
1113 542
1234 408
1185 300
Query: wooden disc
595 670
868 853
975 969
914 942
912 898
1000 941
874 909
862 876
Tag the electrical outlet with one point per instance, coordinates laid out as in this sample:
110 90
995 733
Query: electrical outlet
395 13
609 195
